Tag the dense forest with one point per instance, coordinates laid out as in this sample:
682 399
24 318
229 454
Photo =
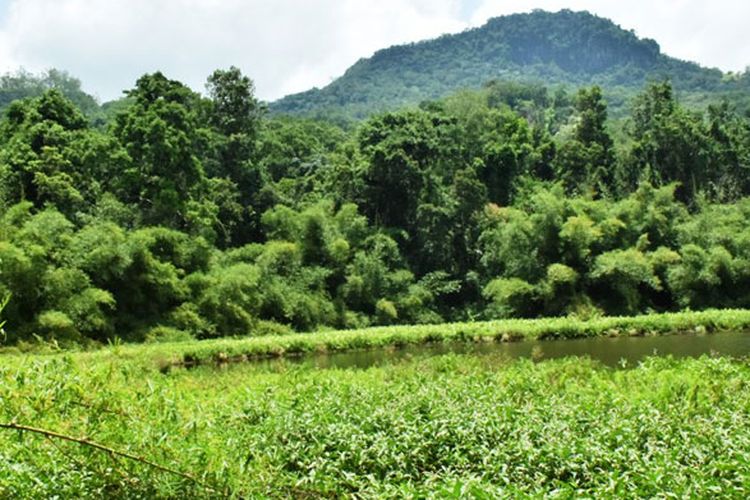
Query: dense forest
176 215
566 48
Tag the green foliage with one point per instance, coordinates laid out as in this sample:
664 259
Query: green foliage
400 150
200 217
714 257
586 163
160 133
23 85
49 156
235 111
670 143
435 425
624 272
510 297
33 269
229 299
557 253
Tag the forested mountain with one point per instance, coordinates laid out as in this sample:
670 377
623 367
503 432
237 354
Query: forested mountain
566 48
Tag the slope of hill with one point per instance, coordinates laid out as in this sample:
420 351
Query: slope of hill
22 84
563 48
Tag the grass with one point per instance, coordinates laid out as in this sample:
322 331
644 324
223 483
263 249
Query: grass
444 427
167 355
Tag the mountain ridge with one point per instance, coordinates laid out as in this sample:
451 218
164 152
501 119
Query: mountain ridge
554 48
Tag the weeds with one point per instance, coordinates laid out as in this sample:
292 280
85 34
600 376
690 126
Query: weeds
446 426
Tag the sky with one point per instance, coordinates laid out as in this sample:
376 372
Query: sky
288 46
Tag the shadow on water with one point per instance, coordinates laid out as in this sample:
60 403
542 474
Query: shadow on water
614 352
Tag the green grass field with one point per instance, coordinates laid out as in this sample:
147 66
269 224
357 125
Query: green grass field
445 426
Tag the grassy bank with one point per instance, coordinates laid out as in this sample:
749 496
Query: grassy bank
220 350
446 426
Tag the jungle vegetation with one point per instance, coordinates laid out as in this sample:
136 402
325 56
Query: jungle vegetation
181 215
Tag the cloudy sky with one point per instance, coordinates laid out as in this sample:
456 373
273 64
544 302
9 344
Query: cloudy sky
291 45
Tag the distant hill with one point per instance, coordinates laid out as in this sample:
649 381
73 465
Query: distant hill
564 48
22 84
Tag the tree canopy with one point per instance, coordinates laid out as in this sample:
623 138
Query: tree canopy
191 216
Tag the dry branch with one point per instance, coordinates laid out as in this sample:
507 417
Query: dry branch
111 451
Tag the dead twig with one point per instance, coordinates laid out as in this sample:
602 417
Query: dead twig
111 451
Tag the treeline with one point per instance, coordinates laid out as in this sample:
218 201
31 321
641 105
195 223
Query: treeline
184 216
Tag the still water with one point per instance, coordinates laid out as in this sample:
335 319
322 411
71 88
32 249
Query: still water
615 352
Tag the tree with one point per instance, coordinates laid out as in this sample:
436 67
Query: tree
587 160
729 167
235 110
50 156
24 85
669 143
400 149
235 115
161 134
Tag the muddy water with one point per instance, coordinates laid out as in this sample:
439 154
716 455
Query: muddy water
615 352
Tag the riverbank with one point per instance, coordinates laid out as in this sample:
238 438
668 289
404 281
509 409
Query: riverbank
192 353
108 423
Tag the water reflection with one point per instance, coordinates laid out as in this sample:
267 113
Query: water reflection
614 352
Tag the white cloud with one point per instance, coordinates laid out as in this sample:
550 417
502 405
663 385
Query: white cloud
291 45
284 45
7 63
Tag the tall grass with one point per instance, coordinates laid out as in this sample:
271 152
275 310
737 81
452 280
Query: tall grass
447 426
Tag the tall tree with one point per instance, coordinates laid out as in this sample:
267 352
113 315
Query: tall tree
161 133
235 113
235 116
49 155
670 144
402 150
586 162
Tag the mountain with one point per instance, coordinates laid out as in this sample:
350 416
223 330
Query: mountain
563 48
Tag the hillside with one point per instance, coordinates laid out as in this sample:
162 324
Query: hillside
564 48
22 84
